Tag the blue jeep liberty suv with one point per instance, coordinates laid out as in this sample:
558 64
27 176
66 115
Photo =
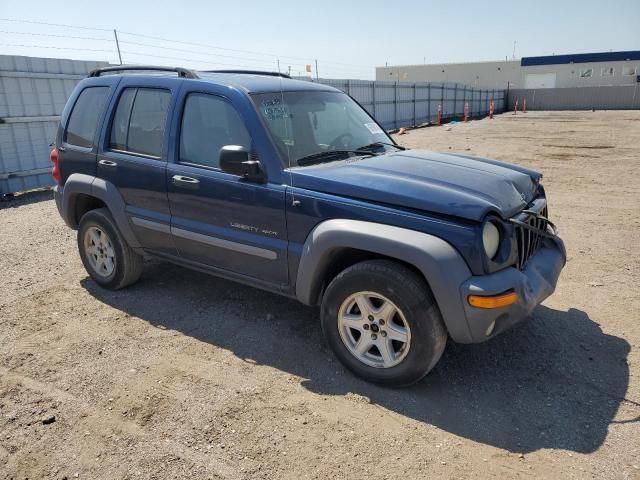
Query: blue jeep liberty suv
291 186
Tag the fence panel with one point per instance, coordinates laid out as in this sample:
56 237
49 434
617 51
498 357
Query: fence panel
33 93
623 97
402 104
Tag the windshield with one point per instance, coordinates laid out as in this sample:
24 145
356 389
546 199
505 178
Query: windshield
309 124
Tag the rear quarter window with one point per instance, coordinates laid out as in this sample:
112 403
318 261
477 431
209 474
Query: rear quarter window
83 121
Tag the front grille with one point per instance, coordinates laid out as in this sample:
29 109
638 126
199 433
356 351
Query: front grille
529 240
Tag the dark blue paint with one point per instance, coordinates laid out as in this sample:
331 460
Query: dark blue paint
141 180
316 207
434 182
580 58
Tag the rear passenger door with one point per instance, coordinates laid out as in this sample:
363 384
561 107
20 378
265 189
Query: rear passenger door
218 219
134 157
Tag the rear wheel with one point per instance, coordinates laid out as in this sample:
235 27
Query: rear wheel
106 256
382 322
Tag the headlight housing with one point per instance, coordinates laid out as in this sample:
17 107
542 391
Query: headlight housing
490 239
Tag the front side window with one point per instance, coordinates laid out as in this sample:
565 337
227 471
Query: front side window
628 71
608 71
304 124
586 73
139 121
208 124
83 121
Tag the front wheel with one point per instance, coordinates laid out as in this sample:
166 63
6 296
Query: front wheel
380 319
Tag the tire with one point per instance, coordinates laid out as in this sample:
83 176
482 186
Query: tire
416 326
105 254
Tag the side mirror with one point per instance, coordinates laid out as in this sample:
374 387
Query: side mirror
235 160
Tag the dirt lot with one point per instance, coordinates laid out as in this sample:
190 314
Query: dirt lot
189 376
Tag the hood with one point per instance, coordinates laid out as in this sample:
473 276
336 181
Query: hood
458 185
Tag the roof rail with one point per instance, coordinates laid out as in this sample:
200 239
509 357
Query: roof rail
251 72
182 72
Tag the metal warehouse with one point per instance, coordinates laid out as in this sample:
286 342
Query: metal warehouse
554 71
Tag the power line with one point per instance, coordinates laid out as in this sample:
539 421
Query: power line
236 50
128 53
197 60
16 20
349 65
188 51
260 60
200 61
55 48
338 67
56 36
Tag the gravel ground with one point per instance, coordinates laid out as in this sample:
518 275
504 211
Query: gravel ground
189 376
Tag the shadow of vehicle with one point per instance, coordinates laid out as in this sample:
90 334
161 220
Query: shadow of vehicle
555 381
9 200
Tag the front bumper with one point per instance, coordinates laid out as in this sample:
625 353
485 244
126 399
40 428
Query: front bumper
533 284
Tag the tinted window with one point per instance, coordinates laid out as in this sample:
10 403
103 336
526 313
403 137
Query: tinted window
138 125
208 124
83 122
120 125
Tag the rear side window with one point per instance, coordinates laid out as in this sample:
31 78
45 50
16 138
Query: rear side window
83 121
138 125
208 124
120 125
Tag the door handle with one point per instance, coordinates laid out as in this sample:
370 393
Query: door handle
107 163
186 182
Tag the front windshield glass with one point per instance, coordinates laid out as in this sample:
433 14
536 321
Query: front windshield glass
308 123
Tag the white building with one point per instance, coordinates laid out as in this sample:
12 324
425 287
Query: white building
578 70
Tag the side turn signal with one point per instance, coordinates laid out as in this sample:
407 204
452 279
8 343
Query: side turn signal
496 301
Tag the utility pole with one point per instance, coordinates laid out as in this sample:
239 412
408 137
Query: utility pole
115 34
278 65
513 55
317 77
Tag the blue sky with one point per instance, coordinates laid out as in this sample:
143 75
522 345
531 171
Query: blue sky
349 38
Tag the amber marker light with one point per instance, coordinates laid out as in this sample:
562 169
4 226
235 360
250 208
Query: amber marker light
496 301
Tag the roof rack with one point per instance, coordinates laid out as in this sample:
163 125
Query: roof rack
182 72
251 72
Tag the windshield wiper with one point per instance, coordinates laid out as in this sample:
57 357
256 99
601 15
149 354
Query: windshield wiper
380 144
328 155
